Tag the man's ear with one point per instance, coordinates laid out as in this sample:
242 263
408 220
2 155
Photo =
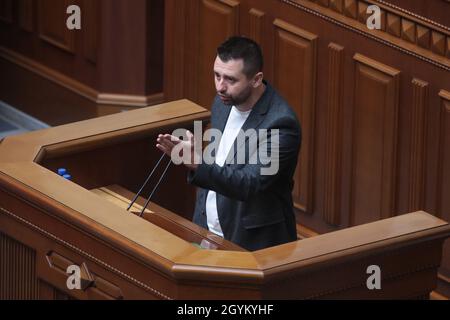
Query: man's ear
257 79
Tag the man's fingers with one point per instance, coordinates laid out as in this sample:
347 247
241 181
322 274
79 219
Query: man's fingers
170 139
163 149
163 140
174 139
166 142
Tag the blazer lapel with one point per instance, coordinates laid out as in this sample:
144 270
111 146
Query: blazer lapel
221 117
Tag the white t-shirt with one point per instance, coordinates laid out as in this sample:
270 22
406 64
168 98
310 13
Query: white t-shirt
234 123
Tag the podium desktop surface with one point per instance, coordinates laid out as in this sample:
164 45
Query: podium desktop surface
48 223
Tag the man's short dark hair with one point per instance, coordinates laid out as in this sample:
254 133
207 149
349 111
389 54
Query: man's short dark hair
242 48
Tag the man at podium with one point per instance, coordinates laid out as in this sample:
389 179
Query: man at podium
245 194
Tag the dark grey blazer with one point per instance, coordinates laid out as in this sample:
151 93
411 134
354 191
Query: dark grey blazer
255 211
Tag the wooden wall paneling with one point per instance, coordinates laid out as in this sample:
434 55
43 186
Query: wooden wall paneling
442 198
45 102
418 145
110 64
26 15
437 11
405 26
52 24
333 128
448 47
49 292
374 161
295 57
342 21
443 180
174 48
6 11
336 5
351 8
256 19
362 11
125 49
90 22
192 47
218 20
39 230
155 50
17 270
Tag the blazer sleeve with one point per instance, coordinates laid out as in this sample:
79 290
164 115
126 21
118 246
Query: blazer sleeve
242 183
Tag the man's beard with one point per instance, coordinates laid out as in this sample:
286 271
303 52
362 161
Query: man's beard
239 99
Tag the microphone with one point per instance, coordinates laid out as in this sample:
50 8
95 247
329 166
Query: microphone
146 182
156 187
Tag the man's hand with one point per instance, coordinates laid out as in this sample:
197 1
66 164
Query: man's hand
167 142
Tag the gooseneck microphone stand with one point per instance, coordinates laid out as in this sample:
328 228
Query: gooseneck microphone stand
146 182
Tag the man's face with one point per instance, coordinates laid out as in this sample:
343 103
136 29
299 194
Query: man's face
232 85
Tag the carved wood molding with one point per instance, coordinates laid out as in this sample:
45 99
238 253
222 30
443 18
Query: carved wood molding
256 24
418 144
402 30
443 151
377 159
83 253
333 129
291 41
17 283
412 13
78 87
51 27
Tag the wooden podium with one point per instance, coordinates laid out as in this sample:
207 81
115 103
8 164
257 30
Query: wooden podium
48 223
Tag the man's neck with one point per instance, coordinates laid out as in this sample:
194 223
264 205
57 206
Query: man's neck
253 99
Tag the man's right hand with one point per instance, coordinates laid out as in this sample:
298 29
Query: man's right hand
166 143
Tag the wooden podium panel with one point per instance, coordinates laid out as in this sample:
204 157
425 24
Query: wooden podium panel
166 219
48 224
